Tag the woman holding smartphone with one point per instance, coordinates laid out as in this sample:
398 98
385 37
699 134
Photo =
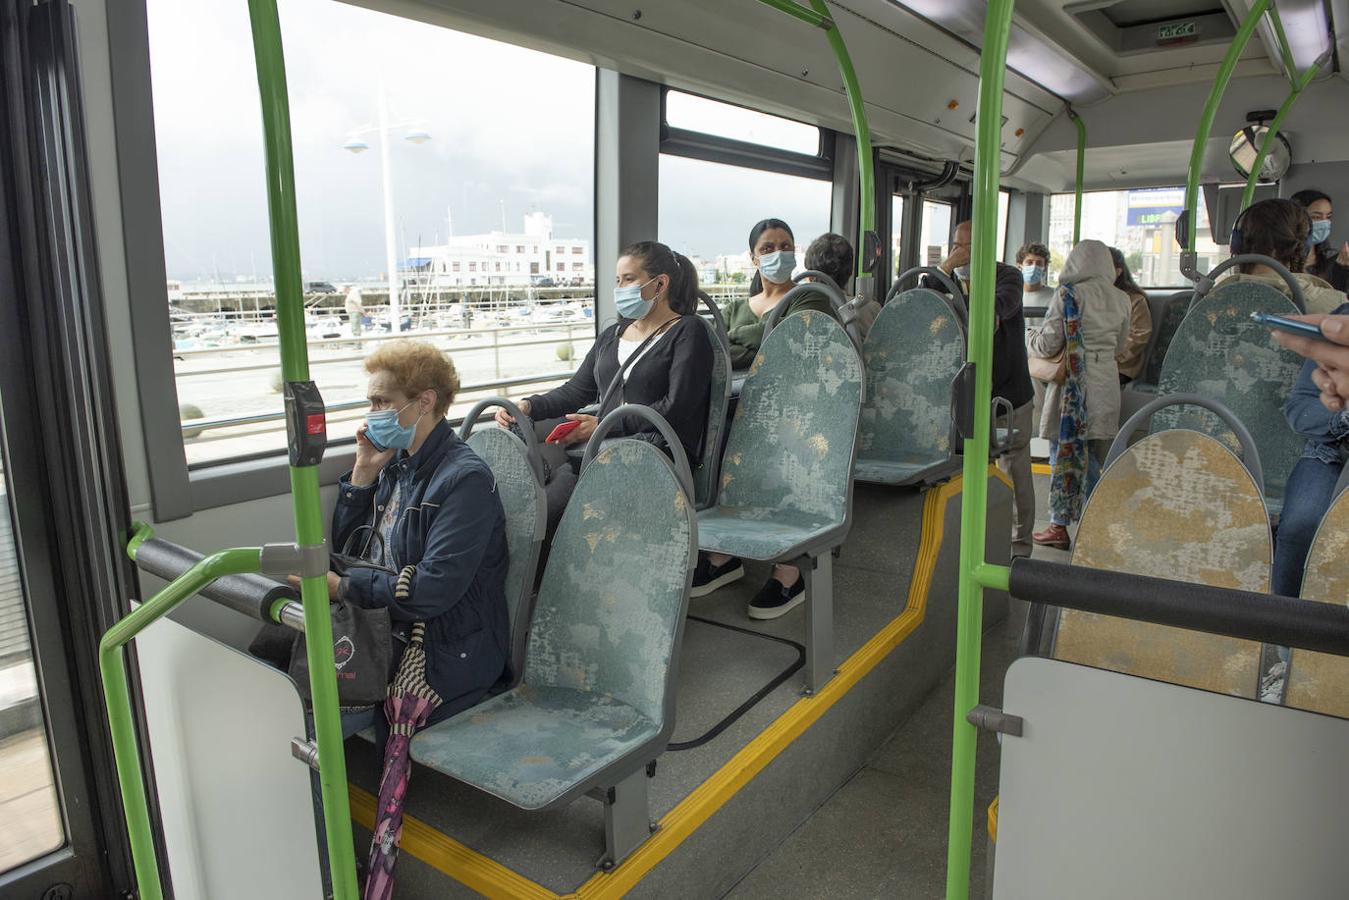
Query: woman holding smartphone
661 346
1311 484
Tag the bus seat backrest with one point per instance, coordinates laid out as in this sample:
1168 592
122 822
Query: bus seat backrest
705 470
1219 352
911 354
794 432
1182 506
1167 313
1320 681
523 499
615 590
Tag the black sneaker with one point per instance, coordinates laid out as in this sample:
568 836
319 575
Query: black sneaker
707 577
774 600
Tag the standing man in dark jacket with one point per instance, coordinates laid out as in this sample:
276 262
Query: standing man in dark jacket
1011 381
419 498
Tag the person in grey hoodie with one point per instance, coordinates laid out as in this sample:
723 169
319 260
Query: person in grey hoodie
1103 311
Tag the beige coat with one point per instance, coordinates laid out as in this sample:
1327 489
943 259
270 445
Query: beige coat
1320 296
1130 360
1105 332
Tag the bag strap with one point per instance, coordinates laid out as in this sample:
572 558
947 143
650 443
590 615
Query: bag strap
632 360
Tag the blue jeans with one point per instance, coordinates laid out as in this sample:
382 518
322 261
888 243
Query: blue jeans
1305 501
1096 453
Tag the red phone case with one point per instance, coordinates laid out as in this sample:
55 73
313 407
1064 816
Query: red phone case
561 431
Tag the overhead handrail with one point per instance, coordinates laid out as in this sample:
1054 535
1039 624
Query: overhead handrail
1272 130
1187 225
1206 282
1250 456
975 572
868 246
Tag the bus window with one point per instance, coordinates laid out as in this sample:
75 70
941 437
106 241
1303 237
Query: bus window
897 205
490 234
1141 223
936 234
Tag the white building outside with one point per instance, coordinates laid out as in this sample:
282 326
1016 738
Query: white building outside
501 259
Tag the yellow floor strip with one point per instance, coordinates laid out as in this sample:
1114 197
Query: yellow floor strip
490 878
1042 468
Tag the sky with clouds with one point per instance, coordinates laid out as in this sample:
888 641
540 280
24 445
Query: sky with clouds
511 131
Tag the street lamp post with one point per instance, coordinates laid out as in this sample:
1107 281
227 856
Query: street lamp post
357 146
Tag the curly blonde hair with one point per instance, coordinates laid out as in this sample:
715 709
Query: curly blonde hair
417 366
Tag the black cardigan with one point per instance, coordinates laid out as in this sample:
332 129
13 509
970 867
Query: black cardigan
673 377
1011 372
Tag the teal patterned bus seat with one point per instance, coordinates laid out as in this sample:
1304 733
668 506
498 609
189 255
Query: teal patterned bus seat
786 475
523 500
705 470
597 702
913 351
1218 352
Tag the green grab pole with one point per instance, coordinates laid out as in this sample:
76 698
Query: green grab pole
1215 96
819 17
117 698
304 484
974 495
995 578
1303 80
1081 172
1285 51
866 210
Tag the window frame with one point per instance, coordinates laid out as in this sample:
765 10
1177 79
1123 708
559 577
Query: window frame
675 141
177 489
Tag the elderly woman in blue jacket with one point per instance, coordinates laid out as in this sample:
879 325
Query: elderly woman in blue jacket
1311 484
420 497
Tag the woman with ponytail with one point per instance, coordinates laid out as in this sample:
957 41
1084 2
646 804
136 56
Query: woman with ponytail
772 248
659 349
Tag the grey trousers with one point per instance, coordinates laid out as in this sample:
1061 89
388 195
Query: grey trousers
1016 464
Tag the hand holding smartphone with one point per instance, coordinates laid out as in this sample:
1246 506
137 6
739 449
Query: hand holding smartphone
561 431
1294 326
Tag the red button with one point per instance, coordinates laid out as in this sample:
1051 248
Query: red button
316 424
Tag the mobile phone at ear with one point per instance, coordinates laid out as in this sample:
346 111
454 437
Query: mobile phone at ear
1292 326
561 431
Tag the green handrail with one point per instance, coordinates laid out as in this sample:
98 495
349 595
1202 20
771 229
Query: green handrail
1270 135
117 696
1081 171
974 494
819 16
1215 96
269 56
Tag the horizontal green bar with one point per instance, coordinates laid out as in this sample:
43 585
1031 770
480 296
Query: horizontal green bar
995 578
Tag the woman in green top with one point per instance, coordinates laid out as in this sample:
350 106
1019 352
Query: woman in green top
772 247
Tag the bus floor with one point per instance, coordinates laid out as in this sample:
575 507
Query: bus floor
883 833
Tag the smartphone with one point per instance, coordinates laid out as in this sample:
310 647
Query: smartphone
561 431
1304 329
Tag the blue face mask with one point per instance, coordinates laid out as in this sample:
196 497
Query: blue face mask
383 429
1033 274
1320 231
628 300
777 267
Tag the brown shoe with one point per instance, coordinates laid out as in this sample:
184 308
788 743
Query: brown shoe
1055 536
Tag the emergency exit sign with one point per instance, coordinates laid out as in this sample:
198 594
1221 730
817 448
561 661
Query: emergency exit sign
1177 31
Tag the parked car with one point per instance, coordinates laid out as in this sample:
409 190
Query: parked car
319 287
